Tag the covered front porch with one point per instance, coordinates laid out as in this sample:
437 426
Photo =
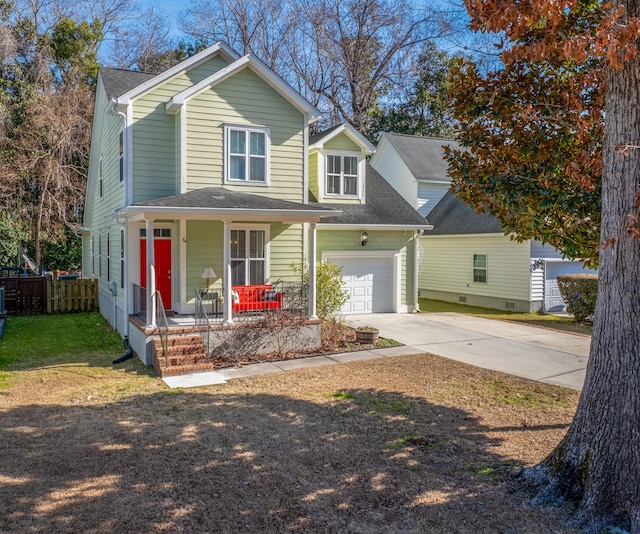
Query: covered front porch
212 258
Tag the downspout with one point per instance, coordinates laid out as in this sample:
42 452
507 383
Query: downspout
127 355
125 293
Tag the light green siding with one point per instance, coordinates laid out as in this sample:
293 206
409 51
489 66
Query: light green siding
446 265
99 210
387 240
341 142
156 135
314 188
205 249
286 248
245 99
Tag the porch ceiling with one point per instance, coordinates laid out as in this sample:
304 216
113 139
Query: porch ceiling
223 204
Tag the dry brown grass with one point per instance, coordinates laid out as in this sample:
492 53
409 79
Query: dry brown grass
408 444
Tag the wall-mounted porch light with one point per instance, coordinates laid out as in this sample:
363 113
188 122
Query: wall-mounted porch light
364 237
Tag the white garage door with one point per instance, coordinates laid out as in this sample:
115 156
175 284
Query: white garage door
552 299
369 282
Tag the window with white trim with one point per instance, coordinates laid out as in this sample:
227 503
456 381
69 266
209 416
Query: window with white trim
246 154
121 155
248 261
341 175
480 268
93 254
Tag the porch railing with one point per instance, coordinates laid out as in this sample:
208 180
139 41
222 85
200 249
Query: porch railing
140 302
163 326
279 298
203 322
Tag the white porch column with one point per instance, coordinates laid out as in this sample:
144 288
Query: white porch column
416 268
312 271
227 315
151 275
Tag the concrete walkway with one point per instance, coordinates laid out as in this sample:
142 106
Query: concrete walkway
526 351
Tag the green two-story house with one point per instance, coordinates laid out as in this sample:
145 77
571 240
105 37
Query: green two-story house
208 168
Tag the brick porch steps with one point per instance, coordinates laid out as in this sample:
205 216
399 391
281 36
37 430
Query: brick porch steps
185 352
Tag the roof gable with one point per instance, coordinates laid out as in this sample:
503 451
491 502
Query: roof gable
423 156
193 61
451 216
253 63
318 140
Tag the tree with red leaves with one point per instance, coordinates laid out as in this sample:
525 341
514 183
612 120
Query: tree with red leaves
553 150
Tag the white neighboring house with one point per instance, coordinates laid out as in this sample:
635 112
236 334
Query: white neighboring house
467 258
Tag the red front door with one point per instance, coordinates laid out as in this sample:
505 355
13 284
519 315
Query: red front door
162 253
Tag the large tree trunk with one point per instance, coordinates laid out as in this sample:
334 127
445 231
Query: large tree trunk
597 465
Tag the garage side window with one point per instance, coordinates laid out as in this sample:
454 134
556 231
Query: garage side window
480 268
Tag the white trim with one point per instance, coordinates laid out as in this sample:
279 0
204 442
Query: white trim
394 255
267 243
139 213
178 100
359 176
333 226
182 299
450 236
266 131
183 150
252 62
305 161
351 133
218 48
128 157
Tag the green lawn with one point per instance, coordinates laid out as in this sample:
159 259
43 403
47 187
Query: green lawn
55 337
539 319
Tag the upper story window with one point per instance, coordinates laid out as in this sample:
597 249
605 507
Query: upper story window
246 154
342 175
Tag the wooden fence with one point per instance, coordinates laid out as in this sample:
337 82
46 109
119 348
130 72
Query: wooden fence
65 296
35 295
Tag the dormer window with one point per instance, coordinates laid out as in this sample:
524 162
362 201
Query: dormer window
246 154
342 175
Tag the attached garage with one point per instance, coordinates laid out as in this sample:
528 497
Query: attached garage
370 278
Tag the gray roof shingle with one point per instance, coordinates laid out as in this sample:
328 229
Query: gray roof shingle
424 156
451 216
316 137
118 82
223 199
384 206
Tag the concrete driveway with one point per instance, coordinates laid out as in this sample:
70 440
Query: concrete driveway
527 351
